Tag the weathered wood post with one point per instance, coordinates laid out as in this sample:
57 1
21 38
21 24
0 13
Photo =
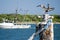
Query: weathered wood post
48 33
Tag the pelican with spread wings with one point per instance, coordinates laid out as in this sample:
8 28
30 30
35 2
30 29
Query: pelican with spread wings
46 9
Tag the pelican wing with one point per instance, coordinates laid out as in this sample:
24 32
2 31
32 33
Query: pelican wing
42 6
50 9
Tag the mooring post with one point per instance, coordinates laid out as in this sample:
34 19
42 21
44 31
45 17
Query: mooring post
48 33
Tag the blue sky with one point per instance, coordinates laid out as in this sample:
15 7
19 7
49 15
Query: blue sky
29 6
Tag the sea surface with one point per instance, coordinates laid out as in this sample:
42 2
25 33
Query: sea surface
24 34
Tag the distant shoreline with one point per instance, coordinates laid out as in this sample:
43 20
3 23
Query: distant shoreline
57 23
27 22
35 22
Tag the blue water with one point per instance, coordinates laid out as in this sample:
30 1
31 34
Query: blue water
57 32
24 34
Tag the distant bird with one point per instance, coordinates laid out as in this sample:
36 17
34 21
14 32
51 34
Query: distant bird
46 9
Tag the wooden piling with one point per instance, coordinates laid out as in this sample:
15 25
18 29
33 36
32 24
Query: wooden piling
47 34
